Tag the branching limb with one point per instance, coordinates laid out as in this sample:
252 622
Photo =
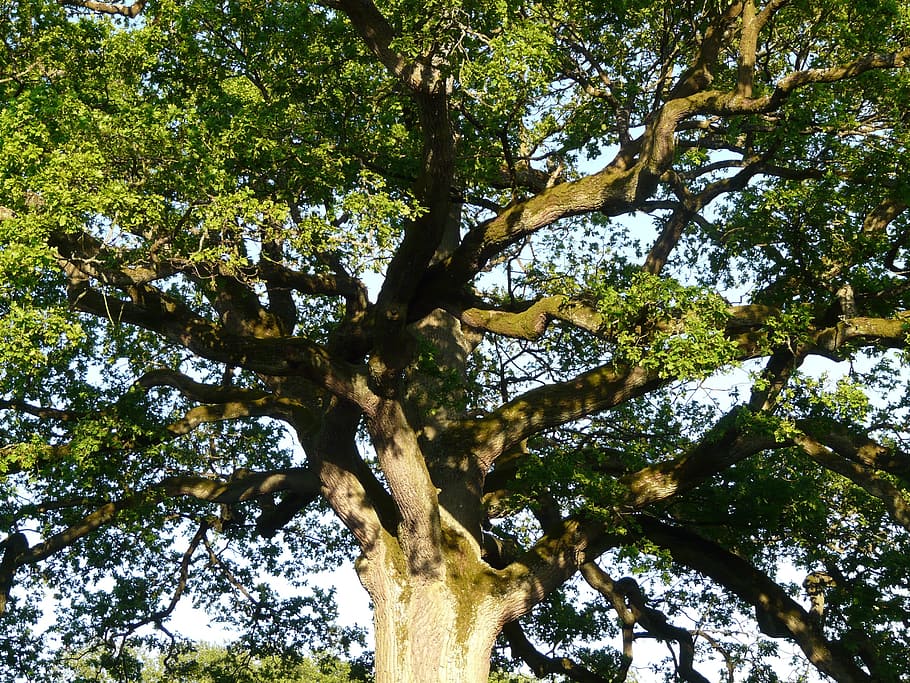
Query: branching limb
41 412
627 593
692 205
612 190
336 283
377 34
724 445
348 484
152 310
726 104
541 664
425 236
884 332
619 186
700 74
197 391
798 79
532 322
551 406
596 390
895 502
182 581
859 449
530 319
778 614
93 258
244 486
600 581
556 556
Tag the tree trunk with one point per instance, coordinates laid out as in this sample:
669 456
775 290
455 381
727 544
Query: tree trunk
431 629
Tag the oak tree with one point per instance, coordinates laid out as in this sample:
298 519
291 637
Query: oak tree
528 296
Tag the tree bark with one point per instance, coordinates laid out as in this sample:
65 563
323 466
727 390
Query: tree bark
432 629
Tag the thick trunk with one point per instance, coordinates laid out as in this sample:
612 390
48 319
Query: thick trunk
431 631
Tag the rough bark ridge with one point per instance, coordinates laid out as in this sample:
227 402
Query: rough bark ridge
440 629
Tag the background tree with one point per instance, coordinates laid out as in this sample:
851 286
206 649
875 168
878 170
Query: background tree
482 261
208 664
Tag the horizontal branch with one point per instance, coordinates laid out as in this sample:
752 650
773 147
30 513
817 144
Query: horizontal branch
226 402
858 448
197 391
325 284
243 486
529 320
732 103
39 411
129 11
892 60
883 332
152 310
232 410
111 265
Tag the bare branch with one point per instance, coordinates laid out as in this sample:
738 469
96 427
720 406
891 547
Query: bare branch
197 391
152 310
243 486
182 581
860 449
129 11
627 598
541 664
39 411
